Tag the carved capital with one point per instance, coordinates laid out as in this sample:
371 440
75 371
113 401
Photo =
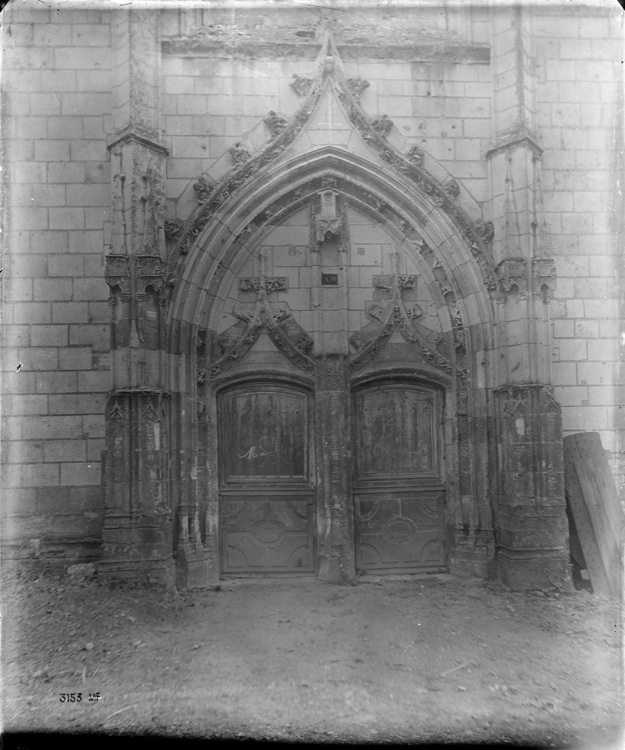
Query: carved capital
512 275
150 272
544 277
117 272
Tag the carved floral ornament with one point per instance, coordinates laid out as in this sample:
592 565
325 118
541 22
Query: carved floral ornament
211 197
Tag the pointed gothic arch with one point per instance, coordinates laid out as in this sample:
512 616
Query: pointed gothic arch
456 275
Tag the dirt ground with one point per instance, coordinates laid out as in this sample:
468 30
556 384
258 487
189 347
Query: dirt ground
420 660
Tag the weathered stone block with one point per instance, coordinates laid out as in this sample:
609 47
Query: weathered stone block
192 104
53 289
80 473
64 450
94 80
93 426
90 289
39 358
94 35
573 349
18 382
67 218
595 373
535 570
88 150
78 358
72 403
31 312
18 290
94 381
51 150
40 475
81 58
21 452
58 81
30 218
97 336
28 173
55 382
69 312
65 172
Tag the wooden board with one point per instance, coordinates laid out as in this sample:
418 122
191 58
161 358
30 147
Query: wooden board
592 498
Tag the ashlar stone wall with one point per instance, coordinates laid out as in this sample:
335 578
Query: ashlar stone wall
218 83
56 116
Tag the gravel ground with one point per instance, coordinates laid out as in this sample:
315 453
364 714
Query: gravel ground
415 659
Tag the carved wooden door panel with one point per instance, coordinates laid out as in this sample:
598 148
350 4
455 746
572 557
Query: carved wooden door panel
398 492
266 495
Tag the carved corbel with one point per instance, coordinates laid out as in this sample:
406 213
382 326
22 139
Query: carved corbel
117 272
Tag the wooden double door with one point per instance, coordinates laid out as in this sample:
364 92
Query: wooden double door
269 480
